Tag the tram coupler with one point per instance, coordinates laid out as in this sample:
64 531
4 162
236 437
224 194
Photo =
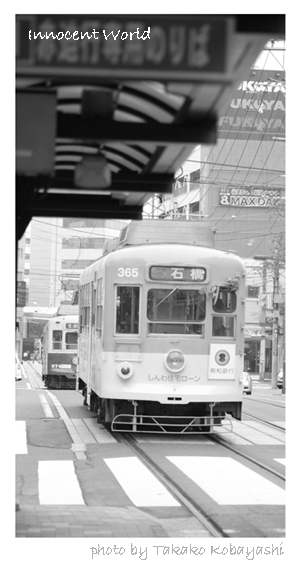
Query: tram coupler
211 420
135 404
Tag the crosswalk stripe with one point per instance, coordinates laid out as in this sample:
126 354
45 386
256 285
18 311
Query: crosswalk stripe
228 482
140 485
58 483
20 438
282 461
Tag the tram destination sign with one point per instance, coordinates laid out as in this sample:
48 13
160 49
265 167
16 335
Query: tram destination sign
187 274
176 47
249 197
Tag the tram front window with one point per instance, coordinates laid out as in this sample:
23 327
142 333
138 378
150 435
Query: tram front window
71 341
57 340
176 311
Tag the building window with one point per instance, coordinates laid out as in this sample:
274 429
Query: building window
76 264
181 210
27 256
195 176
81 243
252 291
26 272
194 208
27 240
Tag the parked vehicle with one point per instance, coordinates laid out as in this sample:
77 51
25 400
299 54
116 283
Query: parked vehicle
247 383
18 371
280 379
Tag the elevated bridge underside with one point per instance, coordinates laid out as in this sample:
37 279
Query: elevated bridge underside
102 124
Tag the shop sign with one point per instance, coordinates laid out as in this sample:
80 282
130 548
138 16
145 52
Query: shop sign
257 111
249 197
186 47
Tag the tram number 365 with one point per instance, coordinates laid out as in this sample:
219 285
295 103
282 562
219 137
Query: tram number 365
127 272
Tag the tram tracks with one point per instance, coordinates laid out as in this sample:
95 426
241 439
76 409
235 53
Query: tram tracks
230 447
273 425
196 509
173 487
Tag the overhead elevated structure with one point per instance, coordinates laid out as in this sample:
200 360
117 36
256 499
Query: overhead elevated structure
110 106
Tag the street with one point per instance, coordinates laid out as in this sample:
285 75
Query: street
76 479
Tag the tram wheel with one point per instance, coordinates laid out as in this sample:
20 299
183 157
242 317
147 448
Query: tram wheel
84 393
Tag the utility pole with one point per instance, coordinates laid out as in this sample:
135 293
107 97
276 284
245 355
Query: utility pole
276 300
263 320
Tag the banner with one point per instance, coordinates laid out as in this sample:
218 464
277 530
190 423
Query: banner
249 197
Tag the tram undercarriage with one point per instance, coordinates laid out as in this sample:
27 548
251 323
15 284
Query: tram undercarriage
59 381
152 416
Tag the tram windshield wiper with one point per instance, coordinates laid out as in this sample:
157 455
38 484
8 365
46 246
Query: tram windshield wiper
168 295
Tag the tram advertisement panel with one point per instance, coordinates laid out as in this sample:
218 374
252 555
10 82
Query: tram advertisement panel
222 361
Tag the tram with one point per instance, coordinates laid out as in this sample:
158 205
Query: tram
59 345
161 337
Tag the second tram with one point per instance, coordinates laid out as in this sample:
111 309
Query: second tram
59 344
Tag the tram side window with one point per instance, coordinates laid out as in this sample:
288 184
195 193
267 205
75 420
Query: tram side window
127 310
84 310
224 301
57 340
223 327
71 341
99 309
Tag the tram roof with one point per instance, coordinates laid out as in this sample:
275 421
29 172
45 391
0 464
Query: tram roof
132 112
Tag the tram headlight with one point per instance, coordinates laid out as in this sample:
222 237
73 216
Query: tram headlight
74 360
125 370
175 361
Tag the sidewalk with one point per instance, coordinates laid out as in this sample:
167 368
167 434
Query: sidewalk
89 521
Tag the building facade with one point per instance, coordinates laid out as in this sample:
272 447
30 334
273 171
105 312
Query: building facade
239 185
57 250
20 296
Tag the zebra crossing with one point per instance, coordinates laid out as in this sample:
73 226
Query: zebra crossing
59 481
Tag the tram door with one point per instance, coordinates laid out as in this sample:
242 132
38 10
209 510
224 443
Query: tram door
91 357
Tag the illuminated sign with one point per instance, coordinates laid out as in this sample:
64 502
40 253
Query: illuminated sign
188 274
249 197
183 47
